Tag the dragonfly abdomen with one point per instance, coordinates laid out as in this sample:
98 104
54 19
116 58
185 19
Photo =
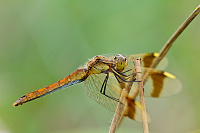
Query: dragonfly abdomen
76 77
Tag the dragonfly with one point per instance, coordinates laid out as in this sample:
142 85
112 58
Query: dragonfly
104 77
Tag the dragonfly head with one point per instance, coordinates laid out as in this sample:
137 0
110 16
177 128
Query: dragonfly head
121 62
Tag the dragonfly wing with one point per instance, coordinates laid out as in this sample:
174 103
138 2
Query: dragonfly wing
133 110
93 84
160 84
147 60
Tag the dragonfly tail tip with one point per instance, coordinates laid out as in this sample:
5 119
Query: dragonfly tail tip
16 103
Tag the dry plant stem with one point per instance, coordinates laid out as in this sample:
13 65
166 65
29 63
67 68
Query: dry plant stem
141 94
118 112
169 43
175 36
120 108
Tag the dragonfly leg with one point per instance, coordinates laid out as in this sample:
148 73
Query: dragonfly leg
122 80
122 73
103 89
129 77
118 79
133 73
127 71
117 76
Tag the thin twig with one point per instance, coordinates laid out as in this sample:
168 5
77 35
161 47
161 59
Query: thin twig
118 112
168 44
141 94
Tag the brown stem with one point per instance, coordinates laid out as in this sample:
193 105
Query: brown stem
118 112
168 44
141 94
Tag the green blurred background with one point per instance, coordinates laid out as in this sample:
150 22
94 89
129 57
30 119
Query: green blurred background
42 41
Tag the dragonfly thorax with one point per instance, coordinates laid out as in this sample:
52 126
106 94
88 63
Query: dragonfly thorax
121 62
